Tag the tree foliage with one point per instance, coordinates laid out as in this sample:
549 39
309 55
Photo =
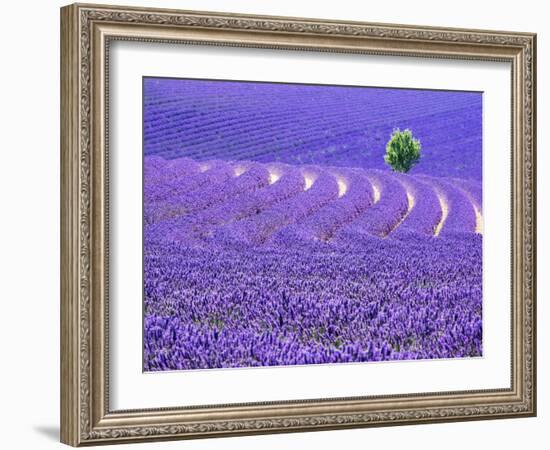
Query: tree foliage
402 150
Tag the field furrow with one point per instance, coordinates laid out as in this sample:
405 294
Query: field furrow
424 216
382 217
234 180
278 204
458 212
160 199
284 182
320 189
355 195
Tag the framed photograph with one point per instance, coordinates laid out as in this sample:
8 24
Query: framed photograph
274 224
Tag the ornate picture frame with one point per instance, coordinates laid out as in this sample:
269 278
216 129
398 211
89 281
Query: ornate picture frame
87 32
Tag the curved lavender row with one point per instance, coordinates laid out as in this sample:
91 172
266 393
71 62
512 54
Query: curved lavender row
234 308
161 199
461 214
382 217
220 203
473 188
168 219
255 177
203 222
258 228
325 222
425 214
161 179
158 187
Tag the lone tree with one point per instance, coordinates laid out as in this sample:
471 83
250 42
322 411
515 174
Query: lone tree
402 150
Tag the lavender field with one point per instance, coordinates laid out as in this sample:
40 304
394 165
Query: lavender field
275 234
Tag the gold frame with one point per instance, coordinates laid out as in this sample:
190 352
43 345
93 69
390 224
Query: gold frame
86 31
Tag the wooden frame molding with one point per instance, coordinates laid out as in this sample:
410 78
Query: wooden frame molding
86 31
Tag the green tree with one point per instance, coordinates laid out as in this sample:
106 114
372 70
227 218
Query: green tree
402 150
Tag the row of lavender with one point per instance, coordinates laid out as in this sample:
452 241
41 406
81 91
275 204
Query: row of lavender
252 203
296 124
250 264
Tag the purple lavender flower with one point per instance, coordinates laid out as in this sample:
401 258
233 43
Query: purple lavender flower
275 235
